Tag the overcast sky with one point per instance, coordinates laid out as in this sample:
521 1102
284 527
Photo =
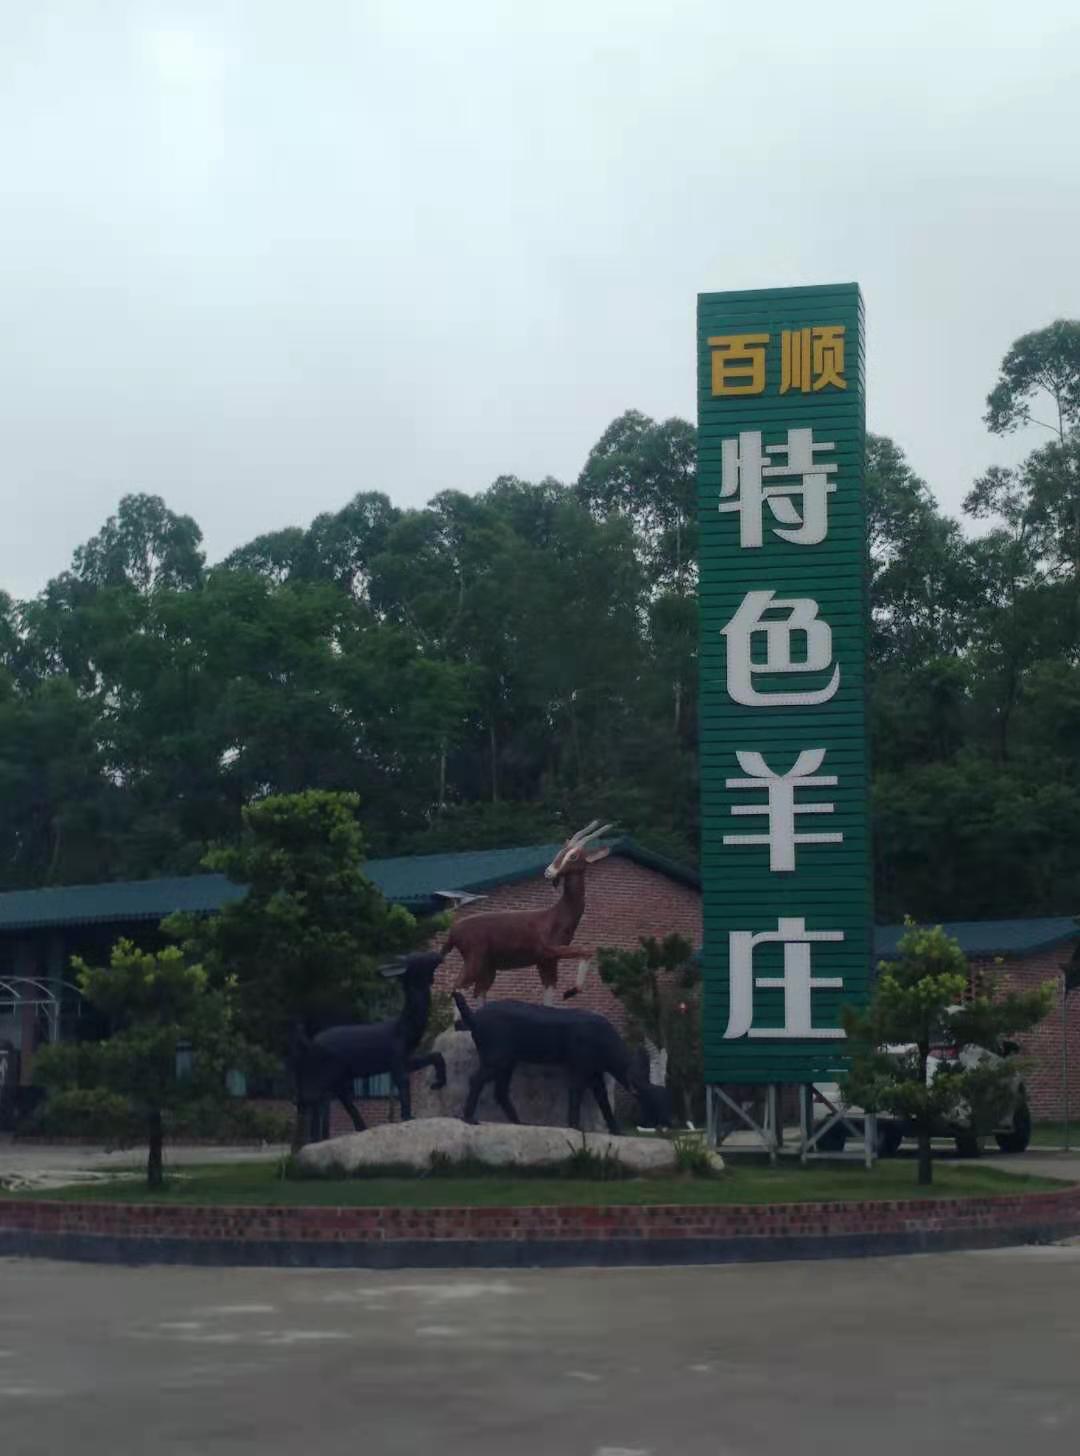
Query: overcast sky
258 255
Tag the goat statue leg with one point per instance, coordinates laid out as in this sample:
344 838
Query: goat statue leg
573 1110
476 976
477 1082
404 1092
343 1093
549 978
433 1059
502 1094
599 1091
579 983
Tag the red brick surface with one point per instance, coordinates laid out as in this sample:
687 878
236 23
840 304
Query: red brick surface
1045 1083
1056 1211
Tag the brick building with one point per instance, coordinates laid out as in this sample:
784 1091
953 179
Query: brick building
630 894
1021 955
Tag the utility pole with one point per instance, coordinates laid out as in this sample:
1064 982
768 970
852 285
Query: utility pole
1070 979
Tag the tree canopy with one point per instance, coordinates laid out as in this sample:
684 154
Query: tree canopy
497 666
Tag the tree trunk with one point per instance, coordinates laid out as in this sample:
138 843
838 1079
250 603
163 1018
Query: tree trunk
299 1129
494 762
54 858
154 1174
926 1163
442 776
575 739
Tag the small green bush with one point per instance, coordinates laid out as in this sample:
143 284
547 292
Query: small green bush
692 1155
93 1113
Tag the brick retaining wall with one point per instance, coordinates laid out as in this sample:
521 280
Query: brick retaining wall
386 1237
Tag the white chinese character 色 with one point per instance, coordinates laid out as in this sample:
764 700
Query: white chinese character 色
800 506
782 836
750 623
797 983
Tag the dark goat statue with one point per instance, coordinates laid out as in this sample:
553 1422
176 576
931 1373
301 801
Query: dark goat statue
585 1043
326 1065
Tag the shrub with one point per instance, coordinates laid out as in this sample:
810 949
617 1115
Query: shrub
93 1113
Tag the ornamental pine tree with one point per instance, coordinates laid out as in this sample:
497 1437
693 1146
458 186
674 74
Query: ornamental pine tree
659 985
304 943
171 1047
918 1004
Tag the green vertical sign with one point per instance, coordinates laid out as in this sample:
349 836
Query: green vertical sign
784 771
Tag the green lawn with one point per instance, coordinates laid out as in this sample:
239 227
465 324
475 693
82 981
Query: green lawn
261 1183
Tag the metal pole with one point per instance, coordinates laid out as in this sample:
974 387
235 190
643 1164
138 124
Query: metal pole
806 1118
772 1121
1065 1053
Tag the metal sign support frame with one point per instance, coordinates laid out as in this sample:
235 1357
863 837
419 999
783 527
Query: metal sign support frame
770 1131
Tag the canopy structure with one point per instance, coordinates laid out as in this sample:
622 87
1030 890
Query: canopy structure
45 996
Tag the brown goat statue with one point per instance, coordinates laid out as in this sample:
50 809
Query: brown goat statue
507 940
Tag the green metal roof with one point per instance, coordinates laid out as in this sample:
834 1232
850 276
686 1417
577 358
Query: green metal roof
410 880
121 900
415 880
992 937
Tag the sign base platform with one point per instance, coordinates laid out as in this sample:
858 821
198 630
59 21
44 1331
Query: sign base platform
770 1129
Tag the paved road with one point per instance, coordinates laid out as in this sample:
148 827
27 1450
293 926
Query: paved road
954 1354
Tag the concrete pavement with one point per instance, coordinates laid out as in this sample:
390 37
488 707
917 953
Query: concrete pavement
954 1354
42 1166
46 1165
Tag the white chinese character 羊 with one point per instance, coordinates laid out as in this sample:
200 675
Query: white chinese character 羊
800 506
782 836
749 624
796 983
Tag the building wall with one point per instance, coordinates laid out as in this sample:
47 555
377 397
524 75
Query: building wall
1045 1083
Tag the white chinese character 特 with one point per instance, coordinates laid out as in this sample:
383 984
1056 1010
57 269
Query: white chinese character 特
797 983
750 623
782 836
747 484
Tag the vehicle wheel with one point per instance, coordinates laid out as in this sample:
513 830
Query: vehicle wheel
968 1145
1017 1140
889 1138
833 1141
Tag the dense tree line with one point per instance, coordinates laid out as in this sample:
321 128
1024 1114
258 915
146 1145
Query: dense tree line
495 666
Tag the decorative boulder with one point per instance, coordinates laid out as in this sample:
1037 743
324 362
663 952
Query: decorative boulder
539 1093
413 1145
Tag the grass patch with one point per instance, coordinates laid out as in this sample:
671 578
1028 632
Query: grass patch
581 1165
263 1184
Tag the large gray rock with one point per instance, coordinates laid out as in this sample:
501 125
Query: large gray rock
501 1145
538 1093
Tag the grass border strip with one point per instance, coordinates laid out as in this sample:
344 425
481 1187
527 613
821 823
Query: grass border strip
527 1236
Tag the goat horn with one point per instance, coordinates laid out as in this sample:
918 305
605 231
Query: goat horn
597 833
582 834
